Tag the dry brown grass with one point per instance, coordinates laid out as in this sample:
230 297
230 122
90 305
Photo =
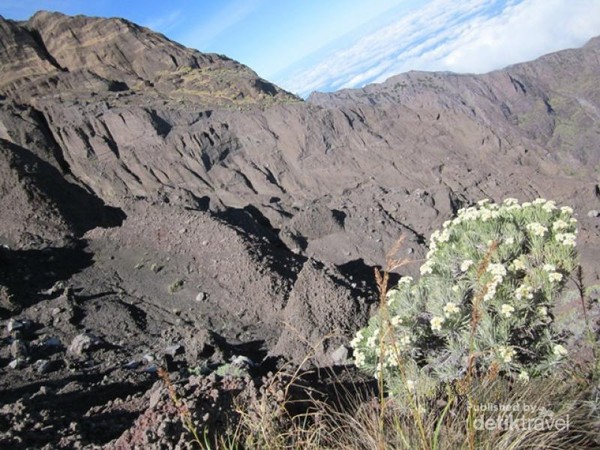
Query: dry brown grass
358 426
572 420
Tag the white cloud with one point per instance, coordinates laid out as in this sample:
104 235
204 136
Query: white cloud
466 36
526 31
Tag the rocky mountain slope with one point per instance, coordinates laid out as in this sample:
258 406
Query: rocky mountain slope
164 205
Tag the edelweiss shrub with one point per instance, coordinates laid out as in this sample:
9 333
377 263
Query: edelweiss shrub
484 298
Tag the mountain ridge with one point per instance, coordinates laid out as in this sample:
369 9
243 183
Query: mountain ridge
118 139
108 50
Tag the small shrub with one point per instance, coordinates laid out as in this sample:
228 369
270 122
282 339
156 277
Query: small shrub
483 304
176 286
231 370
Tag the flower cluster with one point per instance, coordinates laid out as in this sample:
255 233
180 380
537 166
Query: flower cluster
510 261
537 229
567 239
506 353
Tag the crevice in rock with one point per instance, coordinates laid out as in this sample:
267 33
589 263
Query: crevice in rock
246 181
128 171
519 86
57 150
270 178
162 127
37 38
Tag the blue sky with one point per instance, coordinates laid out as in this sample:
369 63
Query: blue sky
306 45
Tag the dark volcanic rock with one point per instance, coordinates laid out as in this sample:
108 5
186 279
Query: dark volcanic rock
38 203
318 316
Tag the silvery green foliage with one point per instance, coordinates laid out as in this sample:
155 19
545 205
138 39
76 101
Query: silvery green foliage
510 262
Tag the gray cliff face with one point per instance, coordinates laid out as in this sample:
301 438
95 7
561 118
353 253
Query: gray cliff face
187 177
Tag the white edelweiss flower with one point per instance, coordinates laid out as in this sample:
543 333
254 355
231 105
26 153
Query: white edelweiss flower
567 239
450 308
506 353
543 311
391 360
570 241
555 277
396 320
509 240
549 267
490 293
405 280
524 291
357 339
466 264
446 224
518 264
510 201
474 215
468 214
410 385
566 210
405 340
537 229
560 225
483 202
391 296
436 323
549 206
506 310
560 350
426 268
573 220
444 236
497 279
525 204
497 269
486 215
373 341
539 201
523 377
359 358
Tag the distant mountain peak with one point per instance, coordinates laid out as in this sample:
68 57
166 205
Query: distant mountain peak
98 52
